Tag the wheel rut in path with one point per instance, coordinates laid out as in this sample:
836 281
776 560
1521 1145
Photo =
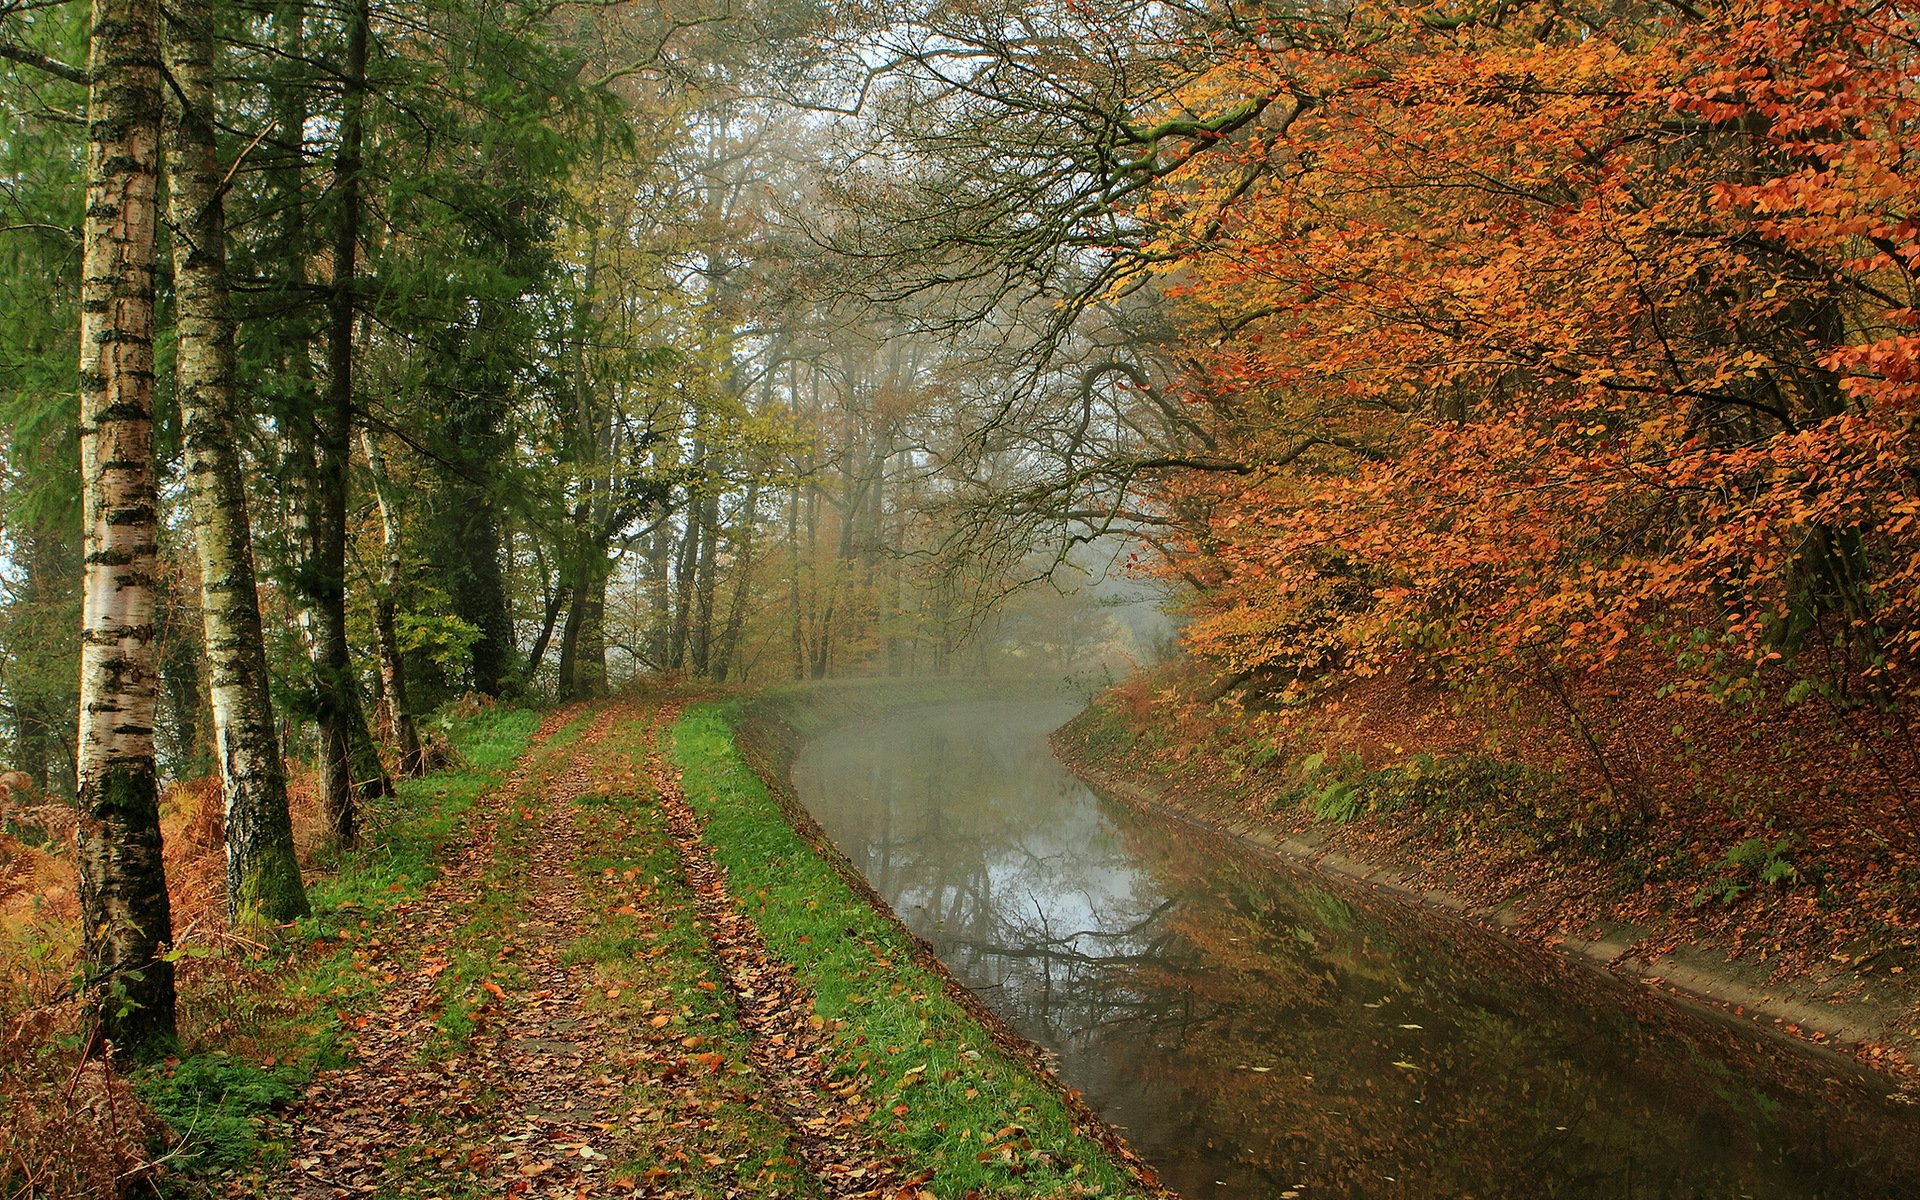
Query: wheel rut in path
789 1048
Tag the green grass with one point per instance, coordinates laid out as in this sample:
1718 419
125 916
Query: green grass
946 1096
402 833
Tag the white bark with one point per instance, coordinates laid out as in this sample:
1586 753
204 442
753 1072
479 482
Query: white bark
125 915
263 875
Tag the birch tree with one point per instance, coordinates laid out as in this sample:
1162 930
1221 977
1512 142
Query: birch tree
263 876
401 731
123 886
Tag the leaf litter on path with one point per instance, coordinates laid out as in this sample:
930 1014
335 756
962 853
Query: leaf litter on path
556 1091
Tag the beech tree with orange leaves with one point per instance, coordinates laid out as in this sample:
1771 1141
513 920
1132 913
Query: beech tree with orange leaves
1511 338
1561 341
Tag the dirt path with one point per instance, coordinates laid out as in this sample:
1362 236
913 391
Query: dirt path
502 1120
540 1098
562 1095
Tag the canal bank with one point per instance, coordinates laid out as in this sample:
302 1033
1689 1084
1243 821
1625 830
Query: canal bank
967 1096
771 729
1833 1008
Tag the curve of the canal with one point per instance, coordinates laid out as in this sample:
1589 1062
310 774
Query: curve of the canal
1261 1032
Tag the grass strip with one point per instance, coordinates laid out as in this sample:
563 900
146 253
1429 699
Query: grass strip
947 1097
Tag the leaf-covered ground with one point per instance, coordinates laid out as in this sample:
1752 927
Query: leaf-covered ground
616 970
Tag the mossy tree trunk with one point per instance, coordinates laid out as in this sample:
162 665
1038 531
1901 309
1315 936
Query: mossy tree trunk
126 921
401 729
590 671
263 875
576 592
349 767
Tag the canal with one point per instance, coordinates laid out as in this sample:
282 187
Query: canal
1258 1031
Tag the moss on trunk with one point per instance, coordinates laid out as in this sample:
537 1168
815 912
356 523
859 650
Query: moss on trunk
127 918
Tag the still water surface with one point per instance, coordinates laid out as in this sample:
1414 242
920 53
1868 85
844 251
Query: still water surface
1259 1031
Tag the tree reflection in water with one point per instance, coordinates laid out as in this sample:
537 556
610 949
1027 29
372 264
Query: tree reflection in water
1258 1031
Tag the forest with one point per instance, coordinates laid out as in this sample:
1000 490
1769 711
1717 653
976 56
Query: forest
1478 434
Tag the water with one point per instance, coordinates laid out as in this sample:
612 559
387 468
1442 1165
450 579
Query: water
1261 1032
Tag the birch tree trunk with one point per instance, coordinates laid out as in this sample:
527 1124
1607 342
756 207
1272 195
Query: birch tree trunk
126 921
687 560
263 875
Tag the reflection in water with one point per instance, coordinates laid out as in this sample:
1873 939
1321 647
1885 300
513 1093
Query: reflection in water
1259 1031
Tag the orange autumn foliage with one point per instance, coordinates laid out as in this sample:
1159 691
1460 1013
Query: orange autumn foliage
1551 339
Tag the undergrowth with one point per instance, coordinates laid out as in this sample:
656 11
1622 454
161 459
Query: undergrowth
256 1020
1345 788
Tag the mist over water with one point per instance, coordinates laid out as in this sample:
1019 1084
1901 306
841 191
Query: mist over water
1260 1032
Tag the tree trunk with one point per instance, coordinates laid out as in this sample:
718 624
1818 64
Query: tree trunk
822 648
796 639
292 250
742 579
545 636
684 572
125 919
660 593
343 736
483 438
401 729
852 496
463 538
263 875
494 653
592 655
178 728
700 638
576 593
370 777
